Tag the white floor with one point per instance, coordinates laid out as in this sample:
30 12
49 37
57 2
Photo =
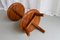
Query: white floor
9 29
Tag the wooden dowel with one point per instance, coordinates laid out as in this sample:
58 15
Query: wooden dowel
39 14
26 32
39 28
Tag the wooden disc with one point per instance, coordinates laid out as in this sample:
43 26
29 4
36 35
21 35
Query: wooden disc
28 19
15 11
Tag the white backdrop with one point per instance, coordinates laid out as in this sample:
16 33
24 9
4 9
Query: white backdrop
49 7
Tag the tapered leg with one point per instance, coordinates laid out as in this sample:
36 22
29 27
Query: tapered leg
26 31
39 28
